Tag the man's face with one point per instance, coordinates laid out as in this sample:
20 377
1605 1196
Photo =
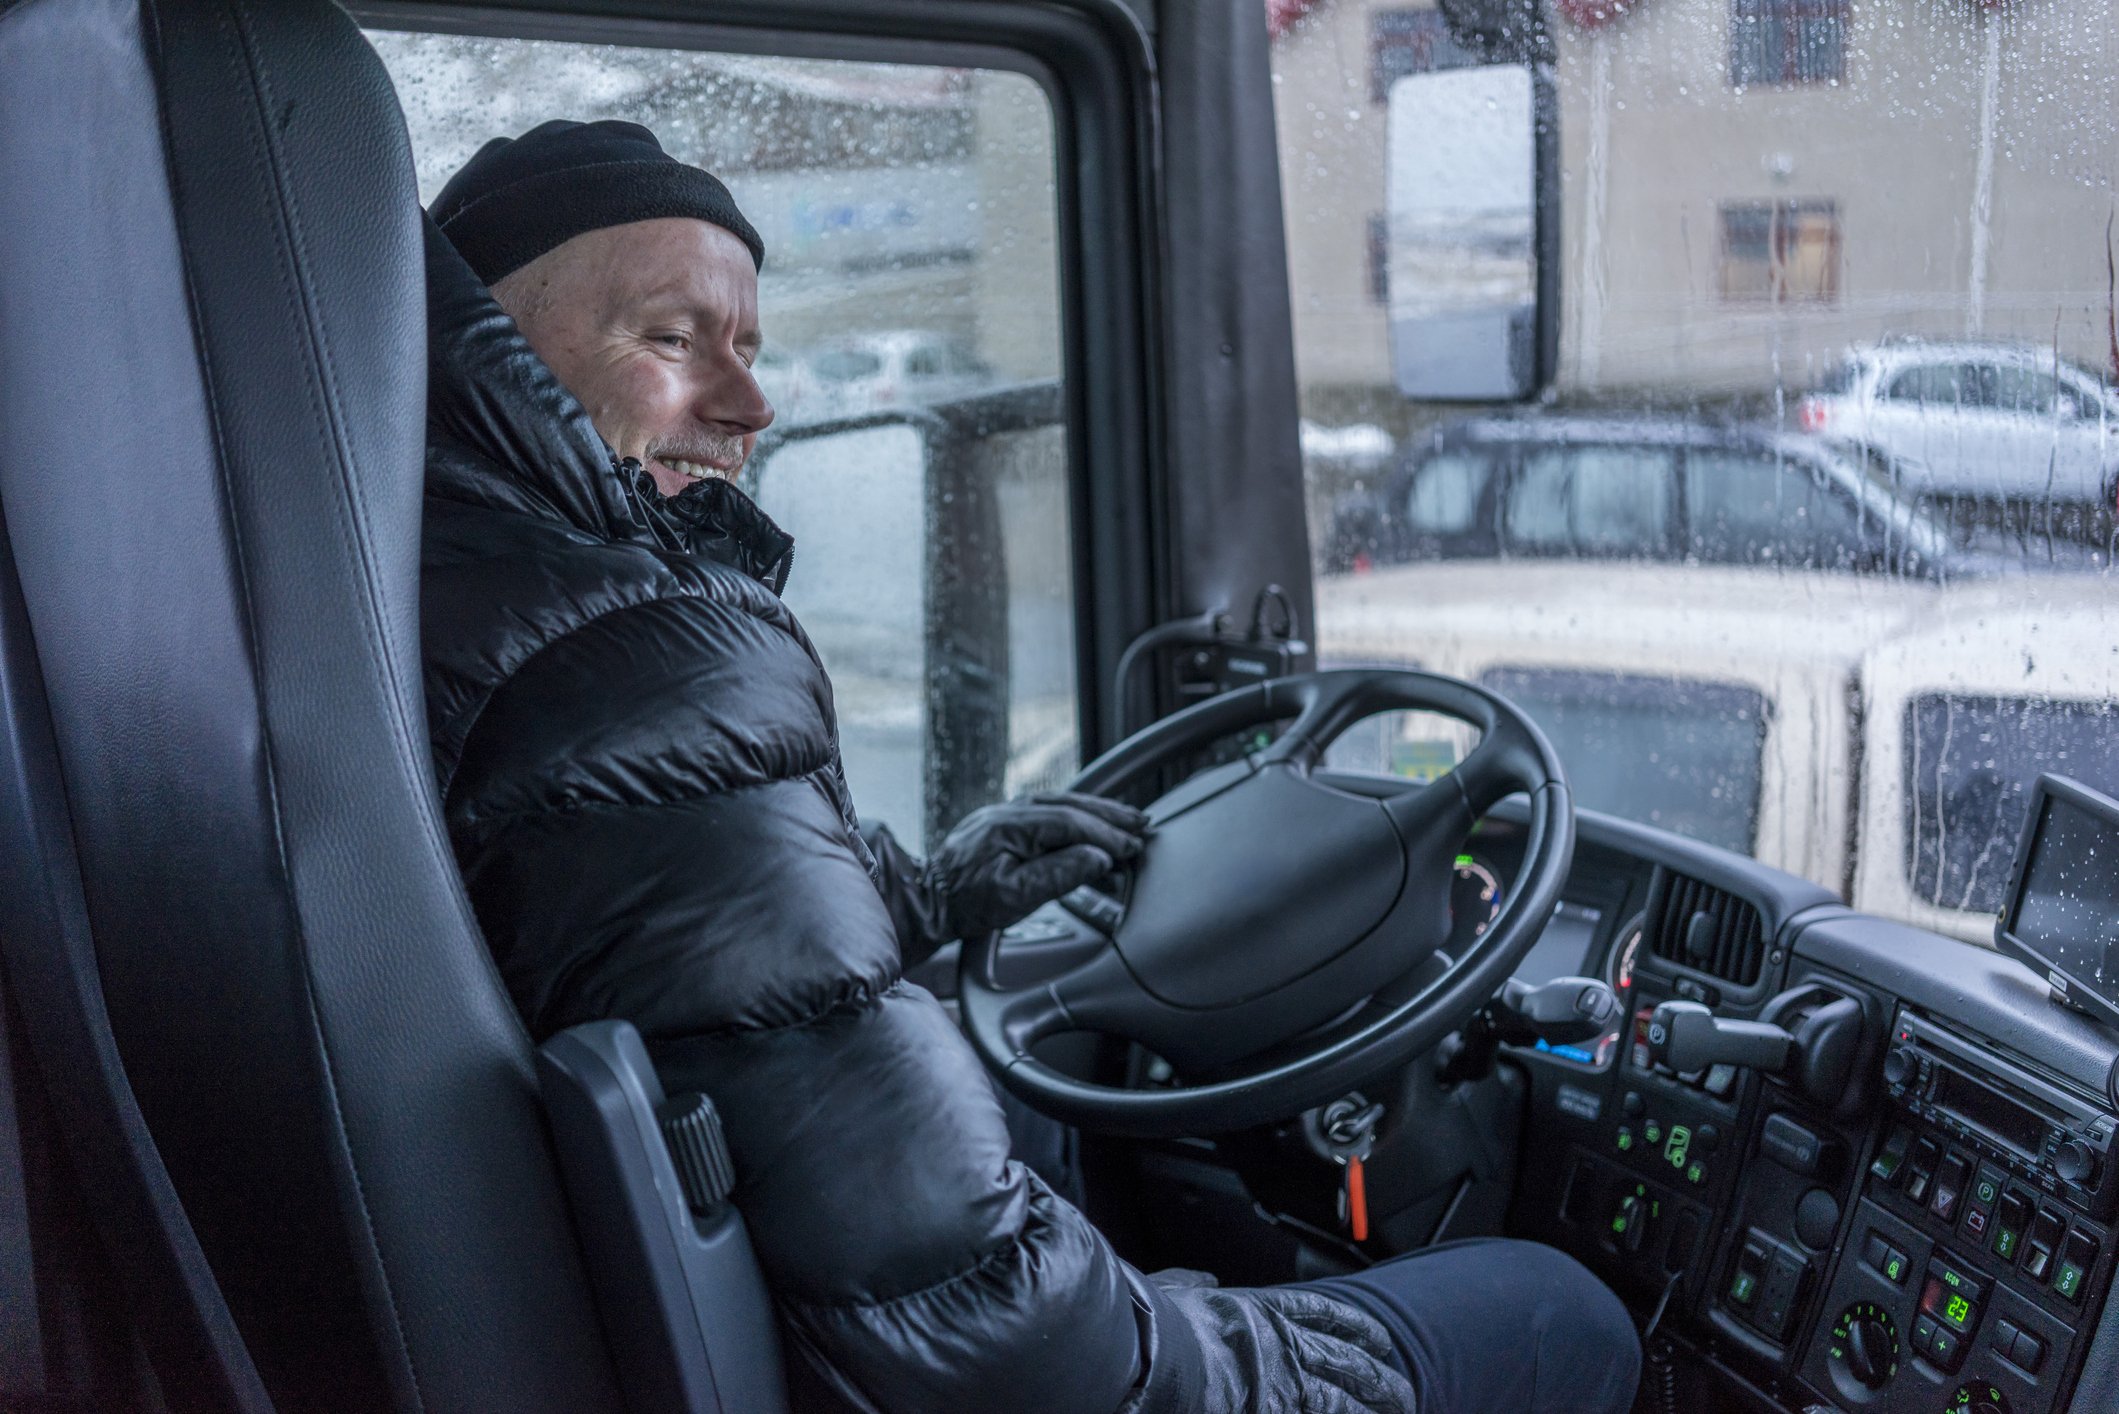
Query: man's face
653 326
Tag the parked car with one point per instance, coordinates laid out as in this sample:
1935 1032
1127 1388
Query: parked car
1640 489
1982 423
893 368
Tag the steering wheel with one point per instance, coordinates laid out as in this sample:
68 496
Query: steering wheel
1280 941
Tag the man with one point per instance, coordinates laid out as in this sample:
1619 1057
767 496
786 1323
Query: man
639 768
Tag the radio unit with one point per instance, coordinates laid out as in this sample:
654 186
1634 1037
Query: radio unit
2040 1133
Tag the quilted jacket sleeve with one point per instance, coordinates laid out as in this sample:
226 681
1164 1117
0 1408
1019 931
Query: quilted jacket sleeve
653 825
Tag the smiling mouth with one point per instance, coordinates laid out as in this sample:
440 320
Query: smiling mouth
696 471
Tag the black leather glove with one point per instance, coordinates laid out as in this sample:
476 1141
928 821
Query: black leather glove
999 863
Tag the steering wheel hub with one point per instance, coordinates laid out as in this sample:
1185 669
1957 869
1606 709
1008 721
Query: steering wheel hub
1286 875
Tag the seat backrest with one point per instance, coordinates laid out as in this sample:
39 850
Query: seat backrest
212 367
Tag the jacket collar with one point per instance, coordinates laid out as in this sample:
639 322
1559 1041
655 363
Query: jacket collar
715 520
504 432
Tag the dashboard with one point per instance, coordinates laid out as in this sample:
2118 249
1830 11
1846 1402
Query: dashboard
1934 1232
1922 1216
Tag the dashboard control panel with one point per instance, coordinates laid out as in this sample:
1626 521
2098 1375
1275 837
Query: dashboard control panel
1983 1226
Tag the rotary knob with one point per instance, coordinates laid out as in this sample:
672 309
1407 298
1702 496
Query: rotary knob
2074 1161
1864 1350
1901 1065
1869 1352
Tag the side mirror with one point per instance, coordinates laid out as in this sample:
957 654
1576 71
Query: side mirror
1472 233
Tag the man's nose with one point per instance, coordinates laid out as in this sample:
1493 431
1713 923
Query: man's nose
737 402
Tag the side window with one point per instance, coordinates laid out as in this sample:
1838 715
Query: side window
1948 383
1681 754
1537 503
2024 390
1601 501
1622 501
1446 493
1969 765
1754 508
1982 387
903 207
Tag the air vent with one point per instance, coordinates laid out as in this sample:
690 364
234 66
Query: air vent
1699 926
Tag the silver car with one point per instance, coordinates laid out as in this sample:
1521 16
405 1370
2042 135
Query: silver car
1980 421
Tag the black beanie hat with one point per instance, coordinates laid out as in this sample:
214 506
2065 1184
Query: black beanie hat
520 197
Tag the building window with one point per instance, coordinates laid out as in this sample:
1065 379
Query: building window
1787 41
1379 259
1405 42
1780 252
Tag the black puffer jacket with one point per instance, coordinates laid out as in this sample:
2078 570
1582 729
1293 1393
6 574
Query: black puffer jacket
639 764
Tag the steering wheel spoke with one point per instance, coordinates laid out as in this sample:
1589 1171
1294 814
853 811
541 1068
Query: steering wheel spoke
1095 994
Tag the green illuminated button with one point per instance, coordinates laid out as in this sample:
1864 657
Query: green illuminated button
2010 1219
2077 1255
1625 1140
1679 1144
1743 1288
1696 1172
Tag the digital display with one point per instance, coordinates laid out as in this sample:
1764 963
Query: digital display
1562 950
2067 908
1989 1109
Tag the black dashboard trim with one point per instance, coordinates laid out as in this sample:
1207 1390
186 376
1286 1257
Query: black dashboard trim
1779 897
1971 987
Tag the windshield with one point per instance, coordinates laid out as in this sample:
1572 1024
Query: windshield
1788 507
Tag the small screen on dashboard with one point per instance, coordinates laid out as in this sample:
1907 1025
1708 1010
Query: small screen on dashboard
1990 1110
1562 950
2067 909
